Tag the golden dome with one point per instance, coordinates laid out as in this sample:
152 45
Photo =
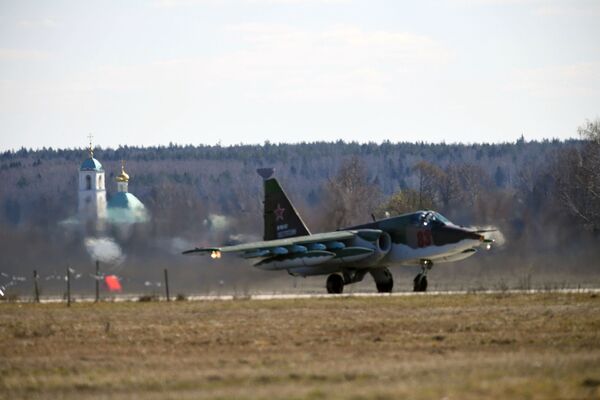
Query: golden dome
123 177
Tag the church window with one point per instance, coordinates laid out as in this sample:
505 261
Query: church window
100 181
88 182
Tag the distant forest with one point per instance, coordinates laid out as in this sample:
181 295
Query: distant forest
39 187
543 196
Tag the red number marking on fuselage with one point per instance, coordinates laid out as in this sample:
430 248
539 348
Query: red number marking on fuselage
424 238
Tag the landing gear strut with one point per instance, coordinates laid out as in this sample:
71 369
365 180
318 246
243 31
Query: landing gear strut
420 281
335 284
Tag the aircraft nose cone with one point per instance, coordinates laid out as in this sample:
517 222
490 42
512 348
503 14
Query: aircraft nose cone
474 236
448 235
467 234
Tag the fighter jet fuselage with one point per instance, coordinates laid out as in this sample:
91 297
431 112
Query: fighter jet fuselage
346 255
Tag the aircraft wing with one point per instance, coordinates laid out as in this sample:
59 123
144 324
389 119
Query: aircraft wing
259 249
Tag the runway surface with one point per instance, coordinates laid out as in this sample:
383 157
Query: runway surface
398 294
288 296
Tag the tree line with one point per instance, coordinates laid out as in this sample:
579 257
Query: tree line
541 194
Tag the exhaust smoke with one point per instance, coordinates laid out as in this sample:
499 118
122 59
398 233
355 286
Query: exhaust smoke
104 249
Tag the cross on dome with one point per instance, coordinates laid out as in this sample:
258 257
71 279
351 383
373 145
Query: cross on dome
91 148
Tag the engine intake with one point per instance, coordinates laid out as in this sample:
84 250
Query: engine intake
379 241
384 243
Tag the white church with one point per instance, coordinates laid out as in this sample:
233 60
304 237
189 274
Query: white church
93 209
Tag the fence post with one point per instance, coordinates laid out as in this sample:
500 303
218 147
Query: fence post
167 284
36 290
68 287
97 281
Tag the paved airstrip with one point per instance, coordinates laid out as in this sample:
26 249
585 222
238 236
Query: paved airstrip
282 296
398 294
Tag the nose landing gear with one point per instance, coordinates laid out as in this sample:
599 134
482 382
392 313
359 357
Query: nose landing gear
420 281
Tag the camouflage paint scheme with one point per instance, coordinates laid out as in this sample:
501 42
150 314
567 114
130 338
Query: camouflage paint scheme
420 238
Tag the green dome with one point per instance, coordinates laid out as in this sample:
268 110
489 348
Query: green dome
124 207
125 200
91 164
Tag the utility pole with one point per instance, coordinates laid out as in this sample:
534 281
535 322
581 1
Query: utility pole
167 284
36 290
97 281
68 287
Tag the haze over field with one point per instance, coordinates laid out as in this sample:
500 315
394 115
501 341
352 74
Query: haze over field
539 194
208 71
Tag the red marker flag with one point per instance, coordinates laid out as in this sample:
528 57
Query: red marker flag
112 283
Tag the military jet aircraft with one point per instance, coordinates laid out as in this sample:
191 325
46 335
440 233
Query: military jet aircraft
422 238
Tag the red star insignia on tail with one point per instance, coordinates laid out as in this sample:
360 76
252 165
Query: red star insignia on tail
279 212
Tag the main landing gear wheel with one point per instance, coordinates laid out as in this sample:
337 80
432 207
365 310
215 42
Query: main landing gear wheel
420 283
335 284
387 285
384 281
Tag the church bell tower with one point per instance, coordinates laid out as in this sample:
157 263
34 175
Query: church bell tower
92 191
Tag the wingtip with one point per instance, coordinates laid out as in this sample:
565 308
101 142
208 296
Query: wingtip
197 251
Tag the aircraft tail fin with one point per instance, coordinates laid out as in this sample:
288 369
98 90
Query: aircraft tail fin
280 217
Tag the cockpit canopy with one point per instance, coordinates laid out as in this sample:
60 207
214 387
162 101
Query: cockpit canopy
429 218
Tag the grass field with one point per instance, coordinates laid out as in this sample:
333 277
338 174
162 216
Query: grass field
458 347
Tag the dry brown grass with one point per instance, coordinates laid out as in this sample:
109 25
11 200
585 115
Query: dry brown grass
461 347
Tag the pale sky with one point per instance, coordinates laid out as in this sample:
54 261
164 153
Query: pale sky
245 71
